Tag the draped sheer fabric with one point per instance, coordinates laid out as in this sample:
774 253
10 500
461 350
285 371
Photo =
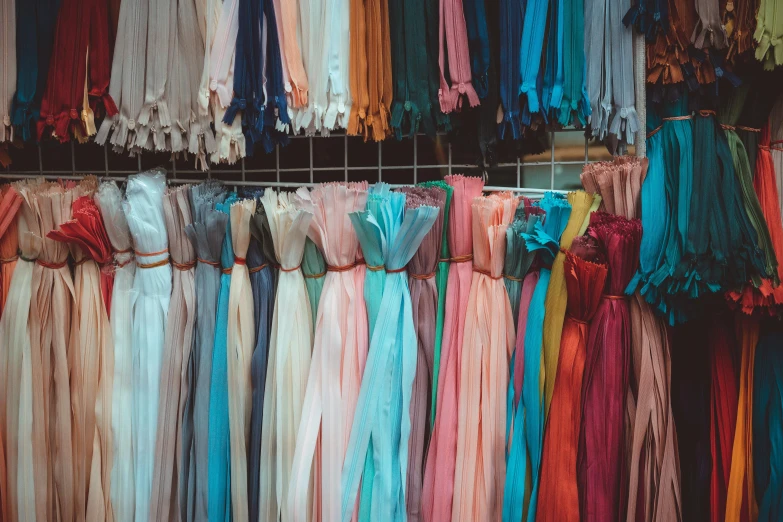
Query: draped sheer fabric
16 390
122 490
262 283
605 381
241 341
488 343
219 451
58 445
558 497
339 353
178 342
424 306
91 249
150 299
206 234
438 487
290 344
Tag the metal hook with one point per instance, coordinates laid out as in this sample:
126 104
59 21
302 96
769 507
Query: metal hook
485 176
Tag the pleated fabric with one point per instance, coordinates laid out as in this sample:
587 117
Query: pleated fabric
724 379
241 341
766 426
558 497
488 343
8 83
424 306
150 304
11 202
178 343
339 353
122 485
290 344
525 443
438 487
91 250
441 281
218 450
16 366
557 295
206 234
741 503
262 284
314 271
605 381
58 446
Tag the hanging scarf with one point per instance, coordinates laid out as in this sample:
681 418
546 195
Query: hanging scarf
441 281
723 411
91 249
339 350
126 87
218 451
709 31
294 75
290 344
441 457
248 97
11 202
424 305
122 491
206 234
80 24
528 430
453 44
262 283
769 30
276 117
513 12
605 381
59 471
483 379
766 426
314 270
741 502
532 47
371 66
8 51
557 296
15 364
558 497
150 301
178 342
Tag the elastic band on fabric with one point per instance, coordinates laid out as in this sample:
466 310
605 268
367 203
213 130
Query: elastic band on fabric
162 262
184 267
614 297
343 268
216 264
294 269
747 129
258 268
462 259
423 277
319 275
678 118
53 266
395 271
486 273
150 254
228 270
374 268
239 260
512 278
6 260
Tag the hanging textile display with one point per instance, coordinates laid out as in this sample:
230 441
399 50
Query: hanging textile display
150 302
723 411
769 30
262 284
10 202
709 32
513 12
766 425
585 274
8 81
16 363
441 282
58 448
241 341
370 68
91 250
424 306
219 451
453 46
528 431
438 487
483 379
75 75
290 343
340 342
294 75
122 491
383 407
178 341
314 271
206 234
605 380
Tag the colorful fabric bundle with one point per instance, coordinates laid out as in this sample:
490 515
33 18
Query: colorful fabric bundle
518 257
438 488
11 202
558 497
605 380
